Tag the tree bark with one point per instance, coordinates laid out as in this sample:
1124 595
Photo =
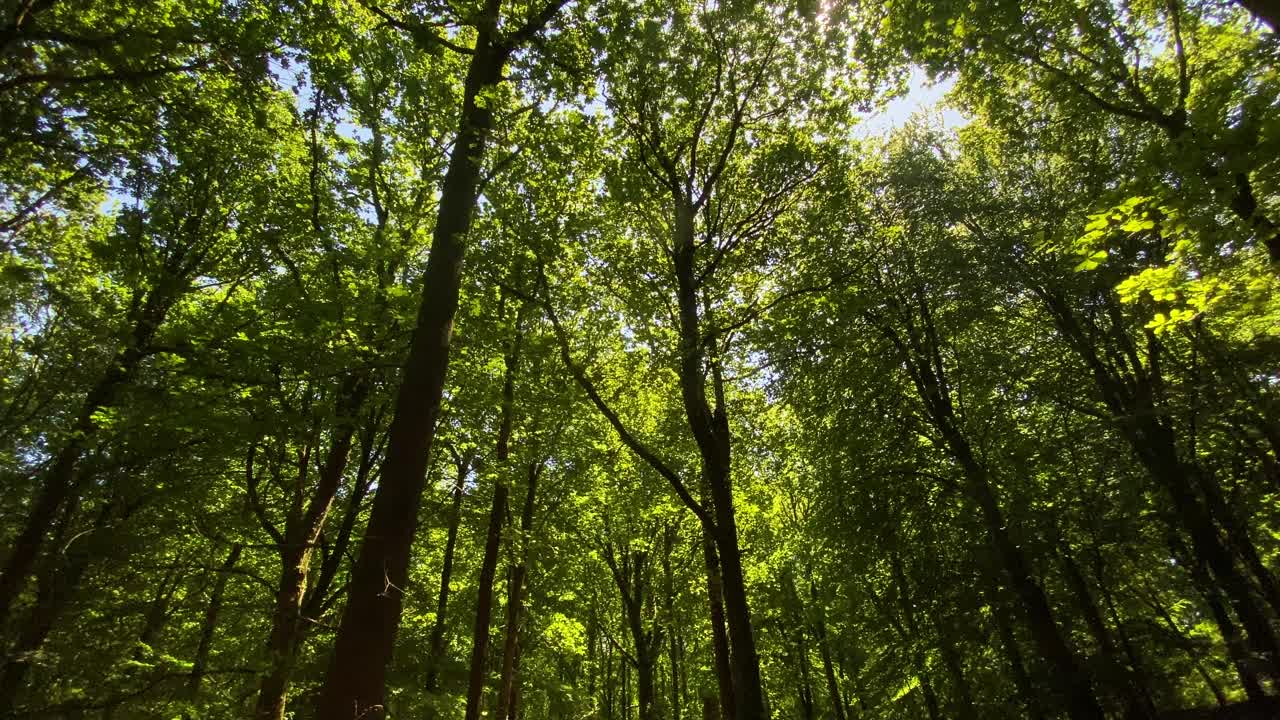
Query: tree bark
917 343
963 700
354 685
824 649
446 576
1268 11
58 484
912 637
1236 645
515 604
630 571
673 630
497 513
710 429
57 586
302 531
200 664
1013 655
1132 400
719 634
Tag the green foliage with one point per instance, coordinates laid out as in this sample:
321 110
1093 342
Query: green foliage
1041 327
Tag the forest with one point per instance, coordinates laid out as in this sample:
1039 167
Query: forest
593 360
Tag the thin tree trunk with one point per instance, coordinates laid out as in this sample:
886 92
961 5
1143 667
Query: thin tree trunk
1153 602
58 484
918 347
824 649
354 685
200 665
1133 404
1070 679
436 652
1238 536
301 534
515 604
719 634
951 659
1236 646
1013 654
912 638
484 604
497 512
673 628
56 587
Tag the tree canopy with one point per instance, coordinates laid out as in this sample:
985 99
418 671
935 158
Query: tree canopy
565 359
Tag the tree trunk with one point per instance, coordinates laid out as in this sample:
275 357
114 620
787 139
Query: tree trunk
719 635
918 347
1236 645
200 665
1013 654
1268 11
515 604
673 629
56 587
355 683
58 484
497 512
710 429
1132 401
446 575
1069 679
484 604
824 648
301 534
912 638
964 708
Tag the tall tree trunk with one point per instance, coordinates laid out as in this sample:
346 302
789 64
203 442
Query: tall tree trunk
56 587
1154 603
918 345
200 664
630 571
1235 644
1133 403
719 634
912 637
824 649
710 429
515 604
302 531
354 685
497 512
673 627
1239 539
58 484
1013 655
1207 545
484 604
1070 680
951 660
436 653
1117 676
608 683
804 691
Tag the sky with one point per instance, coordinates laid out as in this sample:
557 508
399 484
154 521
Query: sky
922 96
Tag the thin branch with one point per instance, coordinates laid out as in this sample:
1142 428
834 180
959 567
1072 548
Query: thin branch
423 36
628 439
533 25
255 502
